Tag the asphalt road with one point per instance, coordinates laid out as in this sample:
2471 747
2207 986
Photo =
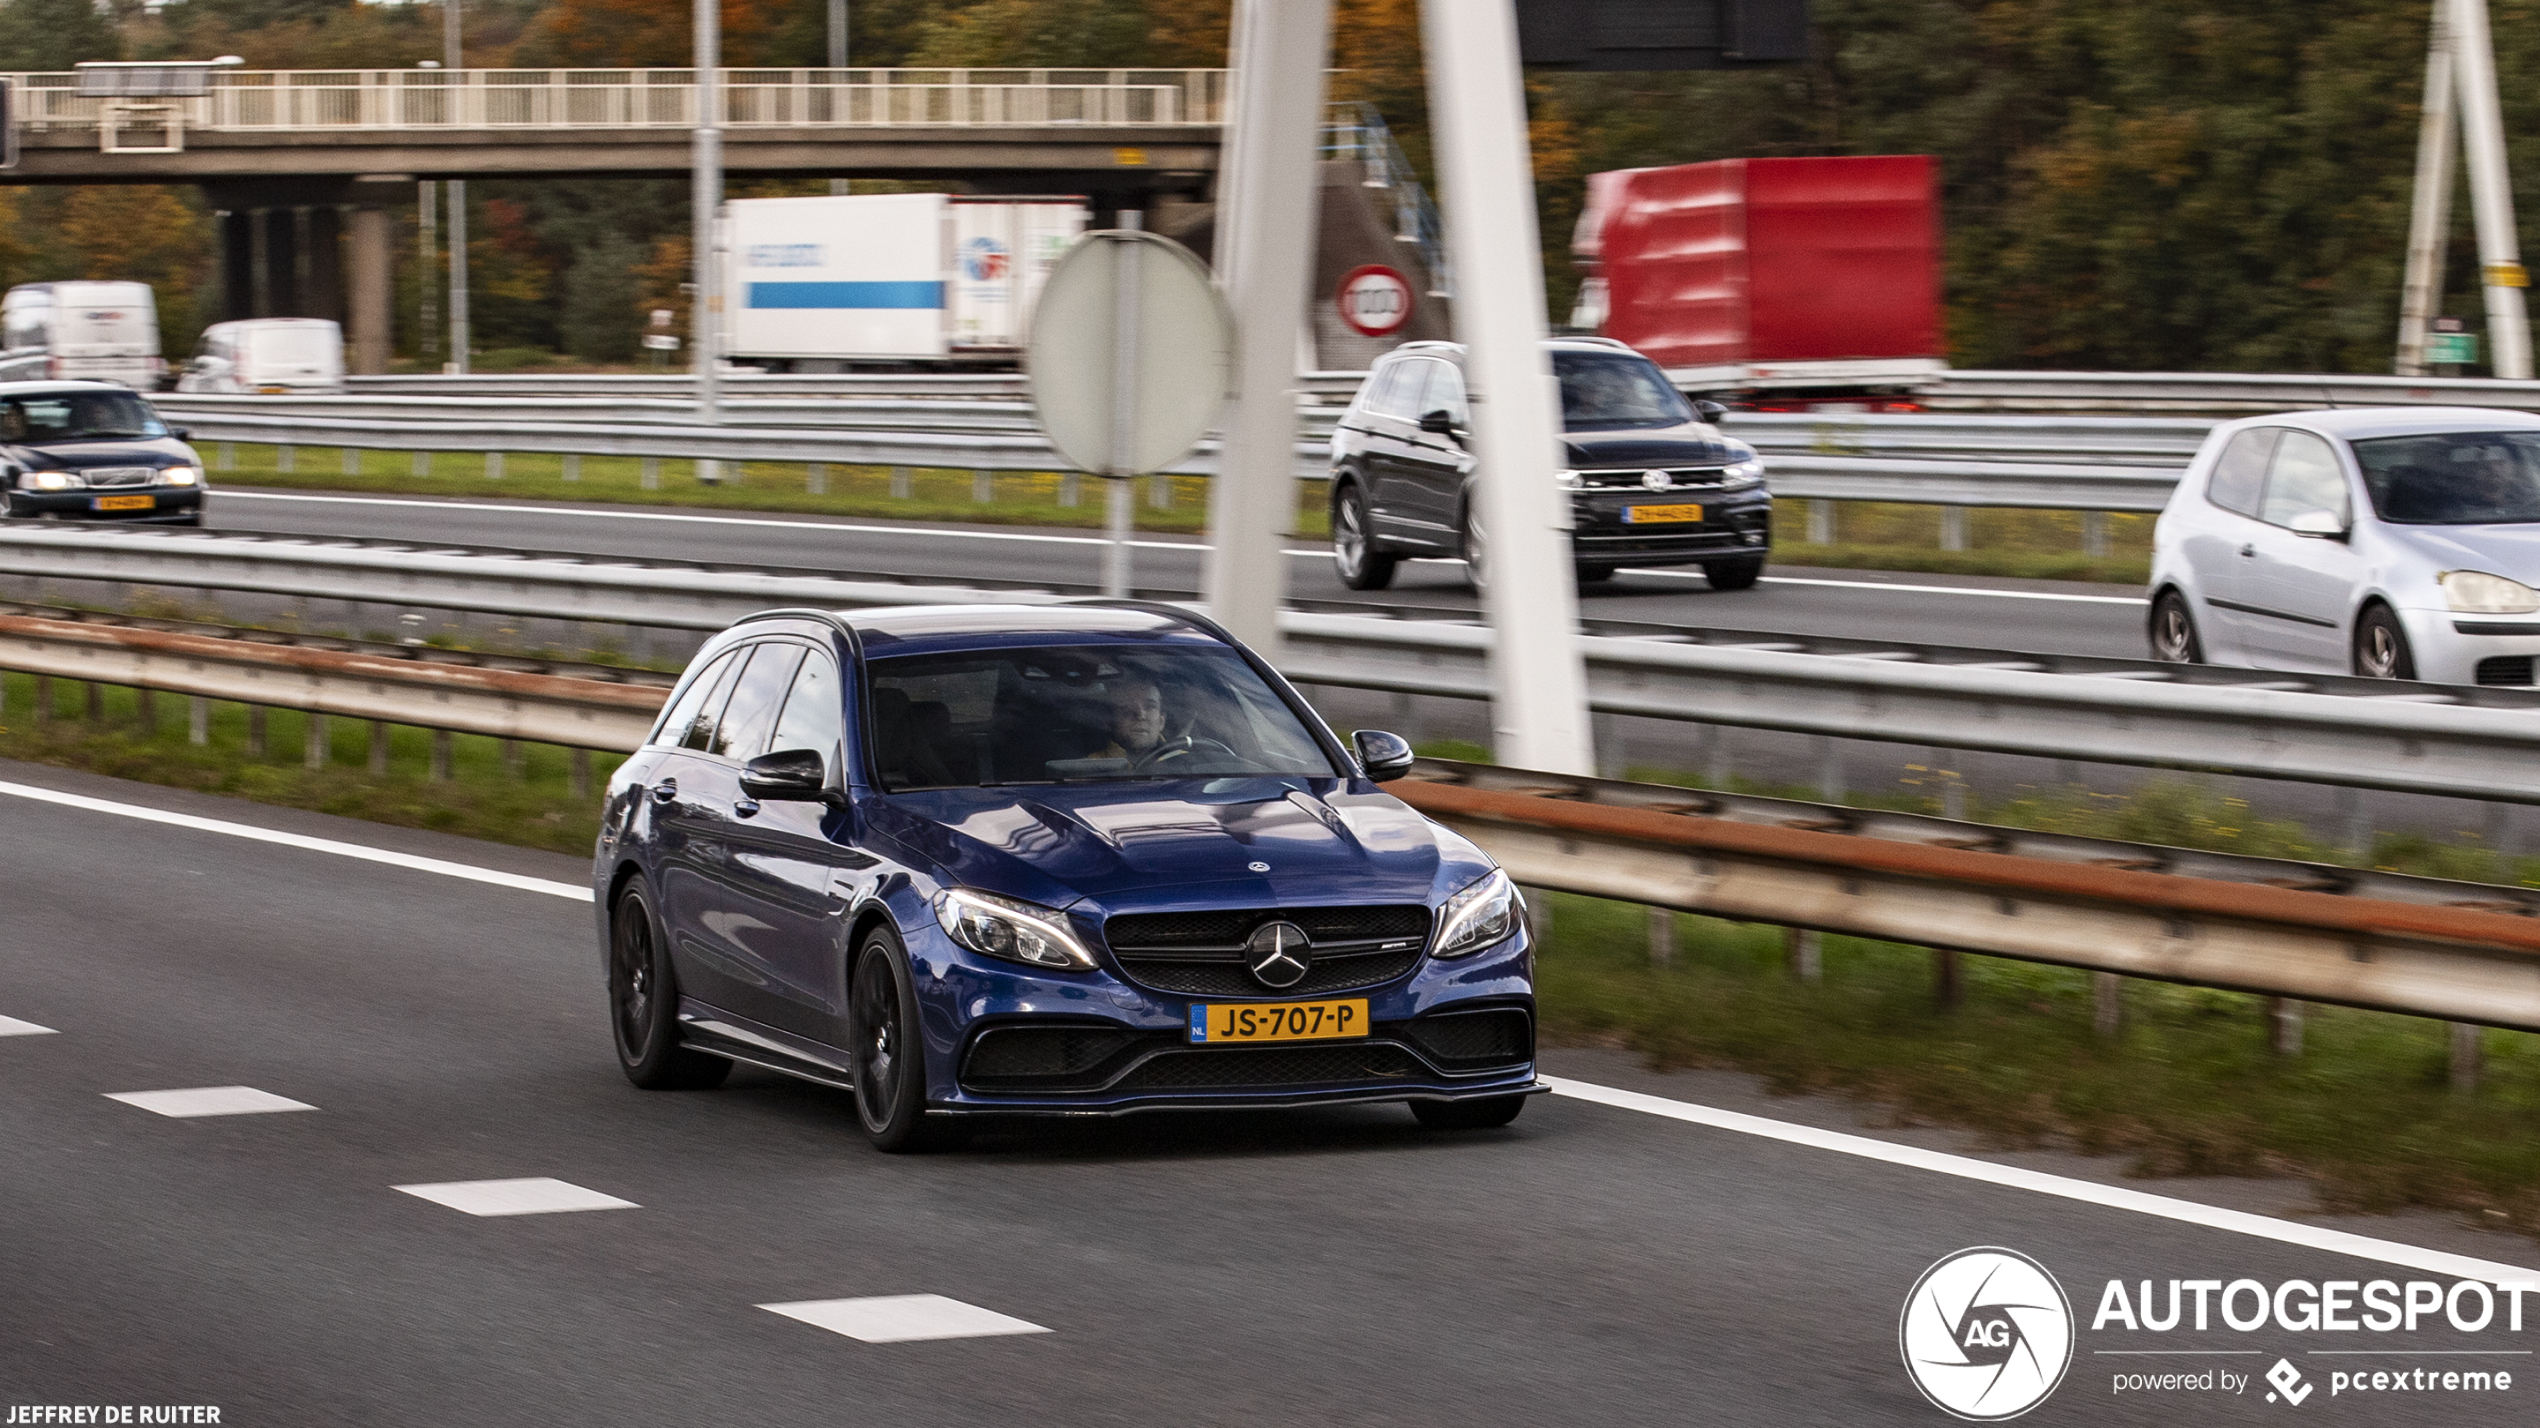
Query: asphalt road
1593 1264
2049 616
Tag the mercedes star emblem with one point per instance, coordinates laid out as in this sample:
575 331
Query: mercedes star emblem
1258 867
1278 954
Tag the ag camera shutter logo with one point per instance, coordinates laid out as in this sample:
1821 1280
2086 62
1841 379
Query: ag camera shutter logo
1986 1334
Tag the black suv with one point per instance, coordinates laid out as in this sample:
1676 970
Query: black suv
1652 480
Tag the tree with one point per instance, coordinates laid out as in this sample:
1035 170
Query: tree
42 35
601 319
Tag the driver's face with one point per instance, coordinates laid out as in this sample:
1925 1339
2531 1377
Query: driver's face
1137 717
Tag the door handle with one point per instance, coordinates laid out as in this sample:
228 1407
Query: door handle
666 791
2249 550
746 808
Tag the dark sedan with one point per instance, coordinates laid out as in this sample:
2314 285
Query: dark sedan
1089 858
1652 481
94 451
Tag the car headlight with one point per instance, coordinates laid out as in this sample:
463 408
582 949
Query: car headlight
50 481
1477 917
1746 473
2475 592
179 476
1009 928
1567 480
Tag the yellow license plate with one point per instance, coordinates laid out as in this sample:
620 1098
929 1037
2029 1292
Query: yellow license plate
123 503
1279 1021
1645 515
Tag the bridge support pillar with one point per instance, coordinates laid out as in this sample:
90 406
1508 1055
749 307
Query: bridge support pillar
237 265
368 293
281 295
322 293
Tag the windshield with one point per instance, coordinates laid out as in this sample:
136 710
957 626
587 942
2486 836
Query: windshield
1098 712
1605 390
2453 478
77 416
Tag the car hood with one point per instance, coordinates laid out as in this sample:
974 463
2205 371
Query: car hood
1692 444
2511 551
1253 841
85 455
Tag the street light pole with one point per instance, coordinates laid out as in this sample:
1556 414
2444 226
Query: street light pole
706 157
2491 193
457 94
837 78
2430 218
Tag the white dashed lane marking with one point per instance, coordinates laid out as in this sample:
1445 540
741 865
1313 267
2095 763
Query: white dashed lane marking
210 1101
537 1195
897 1318
11 1026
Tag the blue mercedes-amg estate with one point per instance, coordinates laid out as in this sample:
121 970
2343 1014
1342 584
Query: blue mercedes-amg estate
1097 857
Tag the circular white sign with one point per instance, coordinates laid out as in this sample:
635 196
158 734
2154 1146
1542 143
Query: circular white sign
1375 300
1149 290
1987 1334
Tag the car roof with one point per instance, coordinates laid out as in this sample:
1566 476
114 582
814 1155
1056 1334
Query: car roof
1454 351
926 629
2360 423
61 388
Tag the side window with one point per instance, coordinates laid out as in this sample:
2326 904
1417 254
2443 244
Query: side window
812 711
2305 478
682 717
1399 387
1444 393
2242 470
751 716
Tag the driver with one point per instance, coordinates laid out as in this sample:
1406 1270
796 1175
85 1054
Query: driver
1137 720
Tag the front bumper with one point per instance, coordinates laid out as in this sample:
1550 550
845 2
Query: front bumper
177 504
2500 651
1738 523
998 1041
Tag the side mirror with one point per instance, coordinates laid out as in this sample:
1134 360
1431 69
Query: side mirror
2318 525
798 775
1710 411
181 433
1386 757
1442 422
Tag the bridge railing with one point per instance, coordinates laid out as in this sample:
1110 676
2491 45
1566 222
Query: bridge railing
320 100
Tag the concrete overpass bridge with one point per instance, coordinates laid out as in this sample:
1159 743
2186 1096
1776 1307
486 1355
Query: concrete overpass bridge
298 160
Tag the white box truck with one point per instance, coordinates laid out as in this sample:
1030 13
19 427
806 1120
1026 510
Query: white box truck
831 284
89 331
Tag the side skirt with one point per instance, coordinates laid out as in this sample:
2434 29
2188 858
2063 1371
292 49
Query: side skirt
720 1033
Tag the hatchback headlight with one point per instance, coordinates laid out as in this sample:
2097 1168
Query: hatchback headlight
2475 592
50 481
1744 474
1010 928
179 476
1477 917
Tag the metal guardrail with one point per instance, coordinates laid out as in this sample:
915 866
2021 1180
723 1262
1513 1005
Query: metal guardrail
2457 742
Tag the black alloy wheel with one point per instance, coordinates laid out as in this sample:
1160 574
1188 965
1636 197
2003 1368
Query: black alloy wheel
2381 647
1488 1113
1354 553
2174 639
644 1005
890 1062
1733 574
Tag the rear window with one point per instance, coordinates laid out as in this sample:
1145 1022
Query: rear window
296 346
2453 478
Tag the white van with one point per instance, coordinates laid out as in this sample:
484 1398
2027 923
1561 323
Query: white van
272 355
86 331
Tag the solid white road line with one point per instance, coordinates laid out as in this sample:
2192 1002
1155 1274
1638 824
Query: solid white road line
210 1101
537 1195
575 891
11 1026
2062 1187
898 1318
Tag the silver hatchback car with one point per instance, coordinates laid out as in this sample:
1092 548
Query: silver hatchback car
2394 542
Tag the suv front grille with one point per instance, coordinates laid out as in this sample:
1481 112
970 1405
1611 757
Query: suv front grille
1636 479
1202 953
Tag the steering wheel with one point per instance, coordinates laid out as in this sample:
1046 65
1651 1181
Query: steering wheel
1181 750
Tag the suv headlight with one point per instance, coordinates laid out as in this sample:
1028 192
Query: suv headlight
2475 592
50 481
1477 917
1746 473
1010 928
179 476
1567 480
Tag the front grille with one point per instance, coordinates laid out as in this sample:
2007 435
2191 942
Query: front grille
1469 1041
1635 480
120 475
1227 1069
1202 953
1055 1058
2505 670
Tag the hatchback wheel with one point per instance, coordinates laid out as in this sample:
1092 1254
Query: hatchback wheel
1485 1114
2381 647
1354 553
644 1005
2174 638
890 1064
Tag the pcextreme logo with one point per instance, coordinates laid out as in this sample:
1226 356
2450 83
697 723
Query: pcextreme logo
1986 1334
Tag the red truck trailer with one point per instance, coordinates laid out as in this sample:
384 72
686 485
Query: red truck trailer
1776 284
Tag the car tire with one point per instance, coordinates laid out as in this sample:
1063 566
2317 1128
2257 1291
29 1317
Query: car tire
1488 1113
644 1004
888 1052
1473 543
1354 555
1732 574
2173 631
2381 646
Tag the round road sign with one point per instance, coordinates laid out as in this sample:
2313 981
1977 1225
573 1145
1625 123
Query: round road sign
1375 300
1165 330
